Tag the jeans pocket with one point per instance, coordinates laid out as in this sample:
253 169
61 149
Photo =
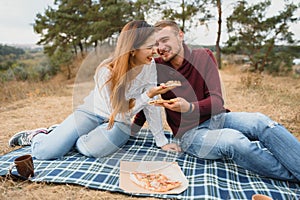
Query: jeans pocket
217 121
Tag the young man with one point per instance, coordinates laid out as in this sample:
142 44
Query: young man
208 130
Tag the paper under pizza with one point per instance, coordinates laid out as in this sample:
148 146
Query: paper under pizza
154 182
158 101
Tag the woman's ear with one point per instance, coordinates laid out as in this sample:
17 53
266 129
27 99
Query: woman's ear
132 53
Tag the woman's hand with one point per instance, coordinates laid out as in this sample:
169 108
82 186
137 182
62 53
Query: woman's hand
171 147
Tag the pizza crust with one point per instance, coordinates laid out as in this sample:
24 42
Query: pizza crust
172 83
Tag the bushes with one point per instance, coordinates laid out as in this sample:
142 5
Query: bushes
22 72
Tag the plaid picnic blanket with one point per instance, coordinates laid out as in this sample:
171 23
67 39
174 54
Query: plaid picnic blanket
221 179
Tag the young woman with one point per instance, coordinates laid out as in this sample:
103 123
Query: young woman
101 125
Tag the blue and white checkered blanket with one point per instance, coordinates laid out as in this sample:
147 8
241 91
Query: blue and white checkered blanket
220 179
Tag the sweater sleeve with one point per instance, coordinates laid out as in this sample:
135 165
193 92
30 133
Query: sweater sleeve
145 80
154 119
151 113
213 102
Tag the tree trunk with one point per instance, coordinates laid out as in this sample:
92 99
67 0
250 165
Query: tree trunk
218 49
69 72
81 49
183 15
75 49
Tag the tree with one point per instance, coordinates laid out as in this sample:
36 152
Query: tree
187 12
80 23
62 58
108 17
65 26
143 7
218 48
255 35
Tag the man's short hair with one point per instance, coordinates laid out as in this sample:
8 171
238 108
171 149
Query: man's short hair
165 23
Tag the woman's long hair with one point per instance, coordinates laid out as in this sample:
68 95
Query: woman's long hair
132 36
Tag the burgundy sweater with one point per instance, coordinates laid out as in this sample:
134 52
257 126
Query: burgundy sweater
200 85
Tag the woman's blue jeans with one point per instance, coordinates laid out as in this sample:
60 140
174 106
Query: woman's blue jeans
231 135
87 131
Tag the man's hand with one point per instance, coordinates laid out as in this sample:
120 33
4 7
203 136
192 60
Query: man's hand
171 147
181 105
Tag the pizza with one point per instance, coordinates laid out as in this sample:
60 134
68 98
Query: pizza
171 84
156 182
158 101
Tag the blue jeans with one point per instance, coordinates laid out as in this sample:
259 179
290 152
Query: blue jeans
231 136
87 131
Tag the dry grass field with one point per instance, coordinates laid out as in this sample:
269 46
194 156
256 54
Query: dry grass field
33 105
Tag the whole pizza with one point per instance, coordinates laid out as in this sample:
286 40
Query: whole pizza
156 182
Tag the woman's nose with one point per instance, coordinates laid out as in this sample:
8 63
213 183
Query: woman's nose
154 50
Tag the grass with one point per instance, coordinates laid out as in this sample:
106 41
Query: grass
32 105
14 91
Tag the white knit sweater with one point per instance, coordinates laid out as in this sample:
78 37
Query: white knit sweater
98 101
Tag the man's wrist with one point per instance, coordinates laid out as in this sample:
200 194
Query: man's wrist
191 109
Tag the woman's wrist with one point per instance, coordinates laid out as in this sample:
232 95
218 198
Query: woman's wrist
150 94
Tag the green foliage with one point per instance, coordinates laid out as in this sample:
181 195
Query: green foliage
20 72
43 71
282 65
186 12
9 55
60 59
78 24
253 34
20 65
141 7
7 50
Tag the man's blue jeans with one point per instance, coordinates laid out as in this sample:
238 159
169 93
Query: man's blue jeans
230 135
87 131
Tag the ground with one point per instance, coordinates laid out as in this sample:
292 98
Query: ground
277 97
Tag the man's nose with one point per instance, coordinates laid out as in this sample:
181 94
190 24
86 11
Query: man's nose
159 46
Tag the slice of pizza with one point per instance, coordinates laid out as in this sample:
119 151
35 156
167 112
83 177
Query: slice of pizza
158 101
154 182
172 83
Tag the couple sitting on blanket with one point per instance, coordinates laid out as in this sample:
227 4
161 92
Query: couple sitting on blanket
125 83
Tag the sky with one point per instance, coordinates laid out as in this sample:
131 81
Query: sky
17 17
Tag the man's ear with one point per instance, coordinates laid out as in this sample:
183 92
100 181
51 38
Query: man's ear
181 35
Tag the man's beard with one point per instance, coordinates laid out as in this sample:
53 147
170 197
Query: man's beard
169 59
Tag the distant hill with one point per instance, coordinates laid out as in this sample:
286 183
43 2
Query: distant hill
24 46
211 47
8 50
